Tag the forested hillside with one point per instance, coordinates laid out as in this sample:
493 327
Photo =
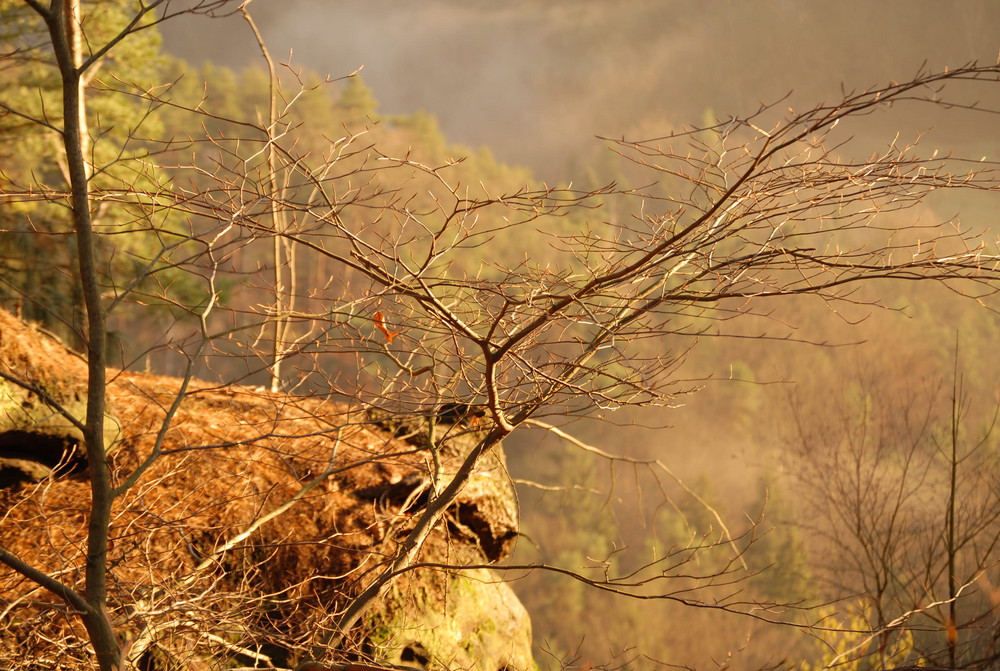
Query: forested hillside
744 371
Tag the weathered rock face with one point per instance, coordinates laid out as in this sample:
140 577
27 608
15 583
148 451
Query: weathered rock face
418 624
35 439
261 517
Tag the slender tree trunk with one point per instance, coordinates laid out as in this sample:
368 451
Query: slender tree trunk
284 257
63 22
951 627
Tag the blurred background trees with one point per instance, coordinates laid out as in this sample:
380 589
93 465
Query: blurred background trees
38 252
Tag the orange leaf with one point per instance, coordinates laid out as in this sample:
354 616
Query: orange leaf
380 325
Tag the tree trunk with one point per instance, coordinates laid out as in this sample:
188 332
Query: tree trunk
63 22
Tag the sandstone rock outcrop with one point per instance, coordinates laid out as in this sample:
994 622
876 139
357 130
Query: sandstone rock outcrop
260 518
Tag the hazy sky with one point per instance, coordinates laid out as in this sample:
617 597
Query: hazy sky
536 79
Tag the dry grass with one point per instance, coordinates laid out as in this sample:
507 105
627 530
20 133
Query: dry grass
230 457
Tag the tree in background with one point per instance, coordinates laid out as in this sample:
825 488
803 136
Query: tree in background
39 252
751 210
899 484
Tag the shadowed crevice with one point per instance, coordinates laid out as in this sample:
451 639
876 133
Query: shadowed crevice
30 457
